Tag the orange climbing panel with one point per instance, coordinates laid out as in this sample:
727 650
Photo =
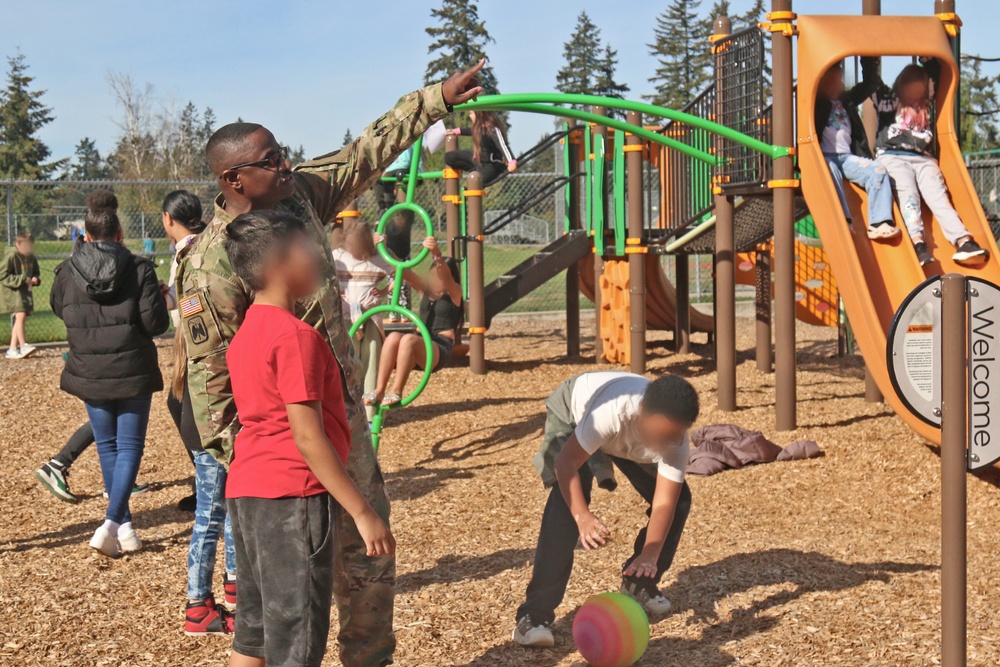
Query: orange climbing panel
816 297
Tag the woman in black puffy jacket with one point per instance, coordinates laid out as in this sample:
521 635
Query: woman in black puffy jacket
113 306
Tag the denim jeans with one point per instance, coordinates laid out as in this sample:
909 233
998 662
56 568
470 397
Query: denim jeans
210 521
120 432
869 174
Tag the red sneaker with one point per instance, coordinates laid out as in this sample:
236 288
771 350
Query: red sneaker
229 585
204 618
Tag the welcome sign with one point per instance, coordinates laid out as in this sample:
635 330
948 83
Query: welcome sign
913 356
984 372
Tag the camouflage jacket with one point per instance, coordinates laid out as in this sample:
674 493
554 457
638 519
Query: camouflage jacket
213 300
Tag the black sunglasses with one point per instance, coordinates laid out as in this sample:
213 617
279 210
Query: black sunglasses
274 160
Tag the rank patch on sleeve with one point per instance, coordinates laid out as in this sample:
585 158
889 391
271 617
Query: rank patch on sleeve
191 305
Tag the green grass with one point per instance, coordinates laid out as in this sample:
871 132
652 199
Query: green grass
44 326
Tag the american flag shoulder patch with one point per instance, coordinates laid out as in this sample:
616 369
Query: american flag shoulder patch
191 305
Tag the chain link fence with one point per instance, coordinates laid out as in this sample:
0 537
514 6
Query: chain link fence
54 211
985 173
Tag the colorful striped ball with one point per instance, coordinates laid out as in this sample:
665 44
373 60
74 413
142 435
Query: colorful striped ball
611 630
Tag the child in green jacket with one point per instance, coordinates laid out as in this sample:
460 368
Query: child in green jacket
19 274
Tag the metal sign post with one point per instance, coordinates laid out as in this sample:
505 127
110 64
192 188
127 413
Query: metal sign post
942 353
954 438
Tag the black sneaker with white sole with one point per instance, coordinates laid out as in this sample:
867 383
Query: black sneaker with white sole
528 633
54 478
923 254
970 250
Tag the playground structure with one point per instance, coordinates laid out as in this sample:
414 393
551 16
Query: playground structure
729 185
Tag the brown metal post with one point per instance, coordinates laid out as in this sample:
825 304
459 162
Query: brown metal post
954 444
636 249
725 269
451 196
477 303
763 309
784 221
872 393
598 130
682 320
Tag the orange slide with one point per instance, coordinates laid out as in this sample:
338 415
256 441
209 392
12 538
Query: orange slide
874 278
661 303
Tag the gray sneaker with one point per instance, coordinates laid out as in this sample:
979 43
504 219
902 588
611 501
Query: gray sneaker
53 478
528 634
648 596
137 490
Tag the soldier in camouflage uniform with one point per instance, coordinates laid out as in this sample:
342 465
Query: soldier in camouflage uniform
254 174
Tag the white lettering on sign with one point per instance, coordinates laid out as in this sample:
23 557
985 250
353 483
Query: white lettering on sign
984 374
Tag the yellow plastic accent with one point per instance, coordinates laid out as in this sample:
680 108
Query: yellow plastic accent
452 199
448 172
349 214
716 190
633 241
779 16
951 21
631 148
786 29
592 156
476 330
475 193
636 250
784 183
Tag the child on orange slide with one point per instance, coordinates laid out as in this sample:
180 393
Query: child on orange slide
845 146
905 145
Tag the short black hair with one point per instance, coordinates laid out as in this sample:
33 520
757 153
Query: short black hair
253 238
226 142
185 209
101 221
672 396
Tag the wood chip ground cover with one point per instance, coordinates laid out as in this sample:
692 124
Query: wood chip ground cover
832 561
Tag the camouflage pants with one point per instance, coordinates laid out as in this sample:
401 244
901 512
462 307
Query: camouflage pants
363 587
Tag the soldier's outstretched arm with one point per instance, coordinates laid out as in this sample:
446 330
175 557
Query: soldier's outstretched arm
351 170
212 308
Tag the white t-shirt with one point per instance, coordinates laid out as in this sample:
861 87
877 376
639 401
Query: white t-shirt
605 407
837 133
357 279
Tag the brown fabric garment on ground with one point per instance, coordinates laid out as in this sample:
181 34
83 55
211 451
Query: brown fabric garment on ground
721 447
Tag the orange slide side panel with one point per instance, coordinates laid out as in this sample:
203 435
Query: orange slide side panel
874 278
661 304
815 287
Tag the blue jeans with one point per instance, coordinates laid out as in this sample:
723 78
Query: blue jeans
210 521
120 434
869 174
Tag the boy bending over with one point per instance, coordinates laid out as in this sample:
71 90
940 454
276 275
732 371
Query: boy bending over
288 470
641 426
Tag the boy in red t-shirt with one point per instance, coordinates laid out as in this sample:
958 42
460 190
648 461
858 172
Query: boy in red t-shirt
288 464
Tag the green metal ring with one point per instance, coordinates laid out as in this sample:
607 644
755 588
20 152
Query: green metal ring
384 252
424 333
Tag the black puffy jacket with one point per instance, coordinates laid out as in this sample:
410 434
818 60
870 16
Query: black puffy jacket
111 303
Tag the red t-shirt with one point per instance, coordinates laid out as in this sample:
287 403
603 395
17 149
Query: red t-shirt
276 359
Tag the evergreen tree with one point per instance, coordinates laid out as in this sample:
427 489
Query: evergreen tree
459 41
297 155
582 54
348 137
605 84
87 164
22 115
679 48
979 102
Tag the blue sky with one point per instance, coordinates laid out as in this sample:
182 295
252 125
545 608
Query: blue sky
310 69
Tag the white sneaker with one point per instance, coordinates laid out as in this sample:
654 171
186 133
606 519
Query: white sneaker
28 350
648 597
13 353
105 542
128 539
528 634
